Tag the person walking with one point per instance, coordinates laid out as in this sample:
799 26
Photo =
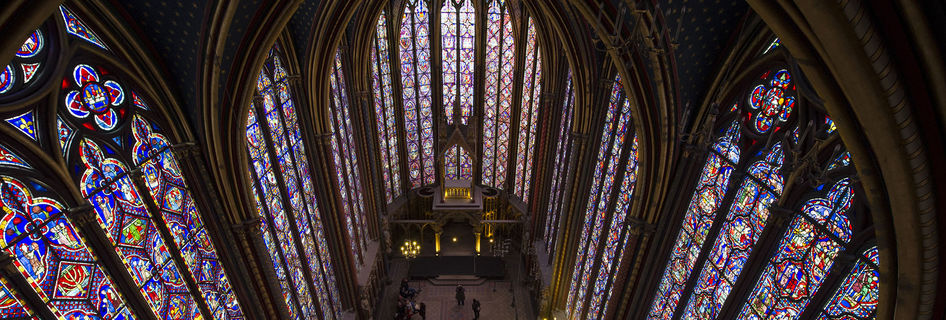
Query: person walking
461 295
476 309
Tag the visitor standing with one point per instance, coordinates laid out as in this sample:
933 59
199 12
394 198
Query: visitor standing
461 295
476 309
422 311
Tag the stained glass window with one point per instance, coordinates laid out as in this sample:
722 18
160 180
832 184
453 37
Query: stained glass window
857 297
458 30
740 230
98 101
804 257
27 64
561 170
53 257
528 115
76 27
709 193
771 103
500 61
179 212
613 252
292 227
12 305
613 136
458 164
384 112
346 163
122 214
415 80
103 130
775 44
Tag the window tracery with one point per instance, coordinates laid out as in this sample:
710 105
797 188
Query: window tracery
459 46
105 133
385 112
292 227
592 272
500 62
414 45
820 228
346 163
528 115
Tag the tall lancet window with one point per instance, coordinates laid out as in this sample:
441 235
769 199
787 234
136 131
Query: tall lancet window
346 163
561 170
415 80
12 305
285 198
96 124
804 256
500 61
458 31
784 135
384 112
615 174
528 114
857 296
743 225
46 246
458 164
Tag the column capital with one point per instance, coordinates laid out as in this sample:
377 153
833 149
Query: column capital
81 216
258 99
781 215
294 79
185 150
249 226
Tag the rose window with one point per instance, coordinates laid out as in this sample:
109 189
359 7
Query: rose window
100 100
771 105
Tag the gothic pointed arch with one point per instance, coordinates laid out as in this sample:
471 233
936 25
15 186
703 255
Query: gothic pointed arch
73 96
405 59
285 196
777 172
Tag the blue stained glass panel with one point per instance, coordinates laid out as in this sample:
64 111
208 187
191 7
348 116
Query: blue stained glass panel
79 29
12 305
384 112
613 251
168 190
24 123
528 116
53 257
740 231
803 259
415 81
561 171
346 161
500 60
859 292
596 215
122 214
710 190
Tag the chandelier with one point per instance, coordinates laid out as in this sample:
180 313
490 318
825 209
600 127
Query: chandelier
410 249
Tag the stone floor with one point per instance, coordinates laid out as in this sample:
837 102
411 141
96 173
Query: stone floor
495 296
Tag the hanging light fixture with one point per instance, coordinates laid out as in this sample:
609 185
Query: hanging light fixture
410 249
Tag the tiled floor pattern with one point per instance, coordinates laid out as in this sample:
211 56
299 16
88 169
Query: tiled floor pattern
495 297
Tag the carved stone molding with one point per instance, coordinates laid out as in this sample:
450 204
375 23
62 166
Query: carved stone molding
82 216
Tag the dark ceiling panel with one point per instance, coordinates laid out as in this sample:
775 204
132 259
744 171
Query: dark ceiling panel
174 28
705 29
300 26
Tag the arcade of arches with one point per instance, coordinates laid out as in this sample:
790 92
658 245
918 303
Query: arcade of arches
353 159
